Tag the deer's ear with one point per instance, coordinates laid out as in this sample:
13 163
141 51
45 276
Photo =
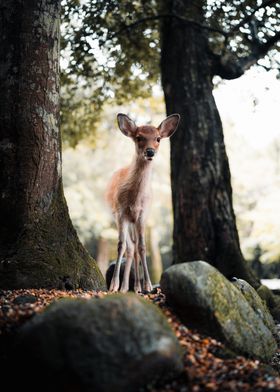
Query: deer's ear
169 125
126 125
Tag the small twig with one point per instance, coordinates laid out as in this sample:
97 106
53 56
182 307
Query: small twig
263 66
259 51
163 16
270 42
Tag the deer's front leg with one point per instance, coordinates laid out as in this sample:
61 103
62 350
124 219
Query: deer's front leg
123 228
129 258
137 280
140 227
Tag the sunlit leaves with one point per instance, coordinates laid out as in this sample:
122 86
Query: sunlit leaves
248 24
111 50
103 56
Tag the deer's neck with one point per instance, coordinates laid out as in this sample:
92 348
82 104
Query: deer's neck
135 192
140 174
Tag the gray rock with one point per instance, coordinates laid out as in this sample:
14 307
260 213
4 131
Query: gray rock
256 303
119 343
204 298
25 299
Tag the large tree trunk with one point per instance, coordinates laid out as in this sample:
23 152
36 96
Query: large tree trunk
204 220
38 244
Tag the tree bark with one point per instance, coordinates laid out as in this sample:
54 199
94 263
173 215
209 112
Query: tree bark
204 220
103 254
38 244
155 265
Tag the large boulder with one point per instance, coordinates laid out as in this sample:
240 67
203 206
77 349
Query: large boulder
119 343
256 303
205 299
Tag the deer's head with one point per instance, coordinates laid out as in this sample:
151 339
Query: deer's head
147 137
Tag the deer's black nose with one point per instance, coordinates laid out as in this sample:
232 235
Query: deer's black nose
150 152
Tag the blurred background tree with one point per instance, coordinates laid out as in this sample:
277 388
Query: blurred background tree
115 52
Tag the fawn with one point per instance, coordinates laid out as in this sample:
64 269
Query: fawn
129 196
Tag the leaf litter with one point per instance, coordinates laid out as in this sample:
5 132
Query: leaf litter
208 364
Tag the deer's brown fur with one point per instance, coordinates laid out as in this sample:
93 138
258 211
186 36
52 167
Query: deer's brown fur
129 195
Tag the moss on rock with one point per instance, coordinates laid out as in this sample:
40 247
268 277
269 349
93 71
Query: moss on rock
203 297
256 303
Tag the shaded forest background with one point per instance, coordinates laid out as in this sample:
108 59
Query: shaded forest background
111 55
255 169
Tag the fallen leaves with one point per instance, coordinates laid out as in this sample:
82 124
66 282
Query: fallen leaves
17 306
208 365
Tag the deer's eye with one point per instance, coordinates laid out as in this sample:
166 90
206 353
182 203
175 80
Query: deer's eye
158 139
140 139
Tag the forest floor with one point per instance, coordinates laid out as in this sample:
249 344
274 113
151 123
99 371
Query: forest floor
208 365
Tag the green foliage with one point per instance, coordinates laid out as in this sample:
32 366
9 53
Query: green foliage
101 65
247 25
111 49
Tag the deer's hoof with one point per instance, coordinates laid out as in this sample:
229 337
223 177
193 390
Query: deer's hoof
124 289
114 286
147 287
138 289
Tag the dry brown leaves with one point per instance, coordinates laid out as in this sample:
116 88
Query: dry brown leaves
207 365
17 306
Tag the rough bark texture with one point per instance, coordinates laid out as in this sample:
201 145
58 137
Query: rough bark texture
38 244
204 220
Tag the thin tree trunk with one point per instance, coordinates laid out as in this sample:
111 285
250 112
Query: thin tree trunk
155 256
38 244
204 220
103 254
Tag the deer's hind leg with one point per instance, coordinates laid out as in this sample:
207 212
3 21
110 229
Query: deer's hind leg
123 230
140 228
137 280
129 257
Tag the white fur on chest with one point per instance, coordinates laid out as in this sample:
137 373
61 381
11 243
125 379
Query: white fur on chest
138 196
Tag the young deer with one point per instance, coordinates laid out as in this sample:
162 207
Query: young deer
129 195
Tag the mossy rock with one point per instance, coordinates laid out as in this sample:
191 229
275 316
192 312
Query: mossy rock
272 301
119 343
267 296
205 299
256 303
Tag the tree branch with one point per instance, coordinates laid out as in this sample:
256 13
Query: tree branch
229 66
163 16
259 51
248 17
226 66
267 69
